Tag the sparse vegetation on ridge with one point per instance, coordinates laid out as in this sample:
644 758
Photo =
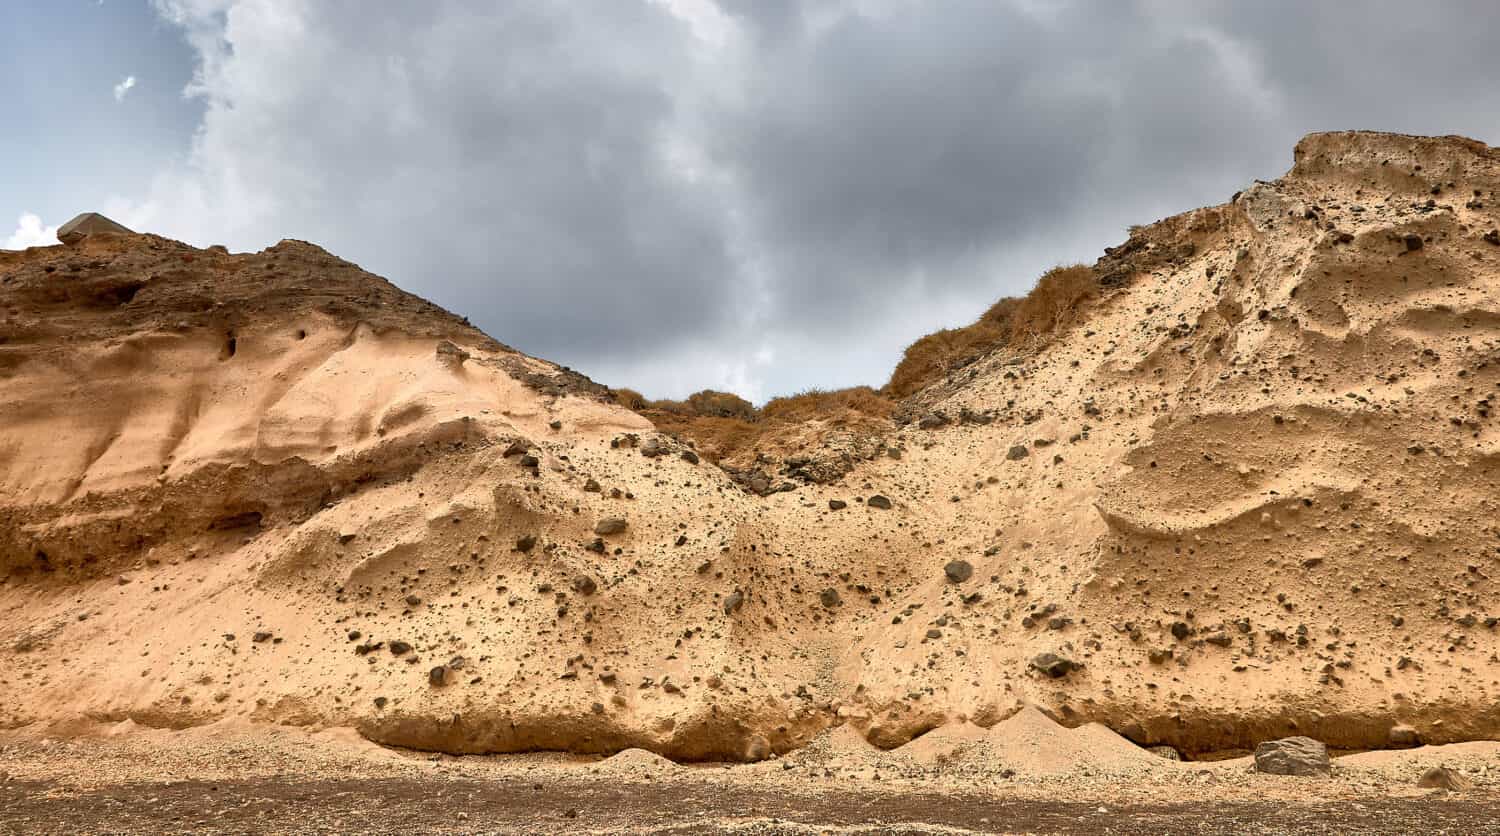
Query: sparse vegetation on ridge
1012 321
725 425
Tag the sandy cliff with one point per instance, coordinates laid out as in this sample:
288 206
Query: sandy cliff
1251 493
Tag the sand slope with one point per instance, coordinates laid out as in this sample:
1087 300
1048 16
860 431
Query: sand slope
1251 494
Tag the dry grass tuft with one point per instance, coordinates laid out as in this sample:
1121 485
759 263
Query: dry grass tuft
705 404
816 404
1052 305
631 399
724 426
716 439
711 404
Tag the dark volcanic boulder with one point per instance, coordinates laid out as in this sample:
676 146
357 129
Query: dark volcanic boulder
1292 756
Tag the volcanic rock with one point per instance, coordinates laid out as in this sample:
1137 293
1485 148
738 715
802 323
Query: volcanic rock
1292 756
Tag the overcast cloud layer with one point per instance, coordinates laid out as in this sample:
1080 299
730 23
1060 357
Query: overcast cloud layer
760 195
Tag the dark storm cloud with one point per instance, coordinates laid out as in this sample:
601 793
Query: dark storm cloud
1388 64
872 148
768 195
509 161
921 144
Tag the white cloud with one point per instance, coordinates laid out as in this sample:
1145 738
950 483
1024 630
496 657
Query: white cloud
124 87
30 233
705 18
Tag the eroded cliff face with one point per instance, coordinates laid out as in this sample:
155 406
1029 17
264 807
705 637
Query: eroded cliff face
1252 493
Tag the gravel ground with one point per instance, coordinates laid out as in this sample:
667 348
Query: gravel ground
258 779
396 805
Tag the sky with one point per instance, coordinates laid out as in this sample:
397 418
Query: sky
762 196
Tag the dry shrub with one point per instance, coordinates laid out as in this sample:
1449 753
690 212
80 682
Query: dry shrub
1050 306
711 404
823 404
725 426
630 399
679 408
932 356
707 403
715 438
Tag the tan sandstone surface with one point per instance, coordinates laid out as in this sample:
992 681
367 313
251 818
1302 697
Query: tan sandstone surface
1251 494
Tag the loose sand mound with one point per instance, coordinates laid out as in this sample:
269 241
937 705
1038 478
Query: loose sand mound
636 764
1030 744
1251 493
